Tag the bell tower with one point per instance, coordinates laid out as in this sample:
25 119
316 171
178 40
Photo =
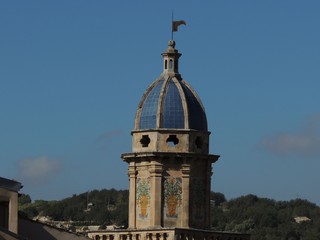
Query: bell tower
170 166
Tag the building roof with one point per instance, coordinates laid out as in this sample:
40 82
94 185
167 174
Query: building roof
11 185
170 102
35 230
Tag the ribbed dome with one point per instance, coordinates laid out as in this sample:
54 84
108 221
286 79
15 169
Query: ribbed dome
170 102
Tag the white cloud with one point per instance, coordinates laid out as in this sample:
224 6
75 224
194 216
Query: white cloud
107 140
38 169
107 136
305 141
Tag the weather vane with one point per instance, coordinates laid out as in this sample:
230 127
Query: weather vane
175 25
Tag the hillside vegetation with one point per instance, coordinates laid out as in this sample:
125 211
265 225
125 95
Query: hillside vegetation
267 219
104 207
264 219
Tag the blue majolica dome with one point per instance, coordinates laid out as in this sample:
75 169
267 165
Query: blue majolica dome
170 102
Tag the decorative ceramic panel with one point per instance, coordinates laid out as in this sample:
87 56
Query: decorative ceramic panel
172 196
143 198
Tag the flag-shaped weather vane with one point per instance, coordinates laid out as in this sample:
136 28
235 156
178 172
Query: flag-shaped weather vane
175 25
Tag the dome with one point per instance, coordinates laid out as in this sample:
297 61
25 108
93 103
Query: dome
170 102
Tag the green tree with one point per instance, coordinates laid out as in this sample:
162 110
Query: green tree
24 199
218 198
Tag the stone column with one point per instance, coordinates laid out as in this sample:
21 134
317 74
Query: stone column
13 213
155 170
208 193
132 195
185 170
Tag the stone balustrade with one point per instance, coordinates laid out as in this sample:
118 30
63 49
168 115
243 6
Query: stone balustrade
165 234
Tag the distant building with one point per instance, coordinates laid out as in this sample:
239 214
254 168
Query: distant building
9 204
13 226
302 219
170 166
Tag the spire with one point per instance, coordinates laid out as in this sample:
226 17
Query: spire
171 58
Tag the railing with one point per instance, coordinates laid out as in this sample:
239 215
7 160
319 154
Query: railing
195 234
165 234
154 234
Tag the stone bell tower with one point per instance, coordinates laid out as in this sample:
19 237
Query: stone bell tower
170 165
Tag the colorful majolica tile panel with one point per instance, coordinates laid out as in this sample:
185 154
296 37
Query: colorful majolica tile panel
143 198
172 196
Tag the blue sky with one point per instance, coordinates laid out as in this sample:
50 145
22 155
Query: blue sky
72 74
